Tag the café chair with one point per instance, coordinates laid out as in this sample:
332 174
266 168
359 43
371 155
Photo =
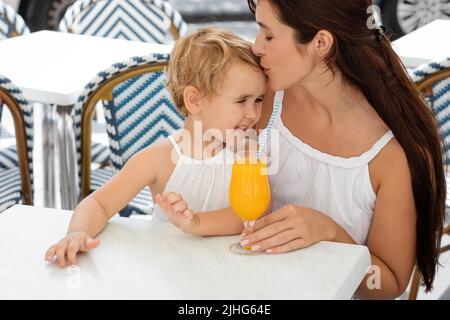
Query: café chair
135 119
16 179
154 21
433 81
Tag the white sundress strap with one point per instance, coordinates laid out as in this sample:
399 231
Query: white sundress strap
378 146
175 146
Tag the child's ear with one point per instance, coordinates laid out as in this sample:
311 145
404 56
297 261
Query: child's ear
192 97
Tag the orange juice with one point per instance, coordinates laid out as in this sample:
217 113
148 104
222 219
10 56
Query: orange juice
249 189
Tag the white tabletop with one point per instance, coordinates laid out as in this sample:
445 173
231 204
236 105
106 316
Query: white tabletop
53 67
141 259
428 43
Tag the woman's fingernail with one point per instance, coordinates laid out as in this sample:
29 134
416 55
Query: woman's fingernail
269 251
244 242
256 248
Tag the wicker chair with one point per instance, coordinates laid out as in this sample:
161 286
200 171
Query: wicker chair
152 21
16 179
136 120
11 25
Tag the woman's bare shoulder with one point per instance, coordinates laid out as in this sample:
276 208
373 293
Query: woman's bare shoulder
391 164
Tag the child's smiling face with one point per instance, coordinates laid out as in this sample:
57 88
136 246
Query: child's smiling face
239 101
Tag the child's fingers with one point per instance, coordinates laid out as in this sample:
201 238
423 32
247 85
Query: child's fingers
164 204
159 198
188 213
179 206
61 253
50 254
173 197
72 249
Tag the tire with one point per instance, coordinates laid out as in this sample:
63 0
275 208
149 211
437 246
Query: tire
45 14
404 16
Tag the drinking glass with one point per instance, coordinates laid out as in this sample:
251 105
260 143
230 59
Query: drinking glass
249 194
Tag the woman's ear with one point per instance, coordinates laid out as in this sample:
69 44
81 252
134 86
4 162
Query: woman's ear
191 97
322 43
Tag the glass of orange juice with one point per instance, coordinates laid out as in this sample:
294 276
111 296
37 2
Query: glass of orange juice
249 194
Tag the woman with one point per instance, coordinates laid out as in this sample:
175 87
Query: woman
360 159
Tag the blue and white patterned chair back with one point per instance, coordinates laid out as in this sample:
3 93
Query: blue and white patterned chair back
439 99
17 178
11 23
152 21
138 117
139 20
433 79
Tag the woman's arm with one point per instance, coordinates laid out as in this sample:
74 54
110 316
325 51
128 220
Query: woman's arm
392 236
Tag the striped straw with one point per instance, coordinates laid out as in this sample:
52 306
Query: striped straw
266 132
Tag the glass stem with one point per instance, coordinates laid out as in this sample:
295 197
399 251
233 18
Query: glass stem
249 225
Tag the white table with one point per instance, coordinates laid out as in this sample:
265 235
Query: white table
53 68
141 259
430 42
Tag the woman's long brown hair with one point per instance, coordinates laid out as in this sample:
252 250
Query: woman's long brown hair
368 62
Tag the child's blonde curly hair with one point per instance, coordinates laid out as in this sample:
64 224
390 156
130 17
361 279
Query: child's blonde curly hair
202 60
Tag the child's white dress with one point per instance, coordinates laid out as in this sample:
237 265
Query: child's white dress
203 184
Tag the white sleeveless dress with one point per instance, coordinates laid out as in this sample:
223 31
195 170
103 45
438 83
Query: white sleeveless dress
203 184
336 186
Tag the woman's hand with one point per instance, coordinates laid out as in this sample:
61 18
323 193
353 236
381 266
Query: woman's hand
73 243
289 228
177 211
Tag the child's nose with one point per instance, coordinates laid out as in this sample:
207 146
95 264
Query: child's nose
250 113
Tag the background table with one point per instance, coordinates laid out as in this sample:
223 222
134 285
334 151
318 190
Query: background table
430 42
141 259
53 68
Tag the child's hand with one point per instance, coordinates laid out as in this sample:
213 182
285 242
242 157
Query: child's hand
177 211
69 246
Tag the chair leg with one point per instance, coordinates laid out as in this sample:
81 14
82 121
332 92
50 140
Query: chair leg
445 249
447 230
415 282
